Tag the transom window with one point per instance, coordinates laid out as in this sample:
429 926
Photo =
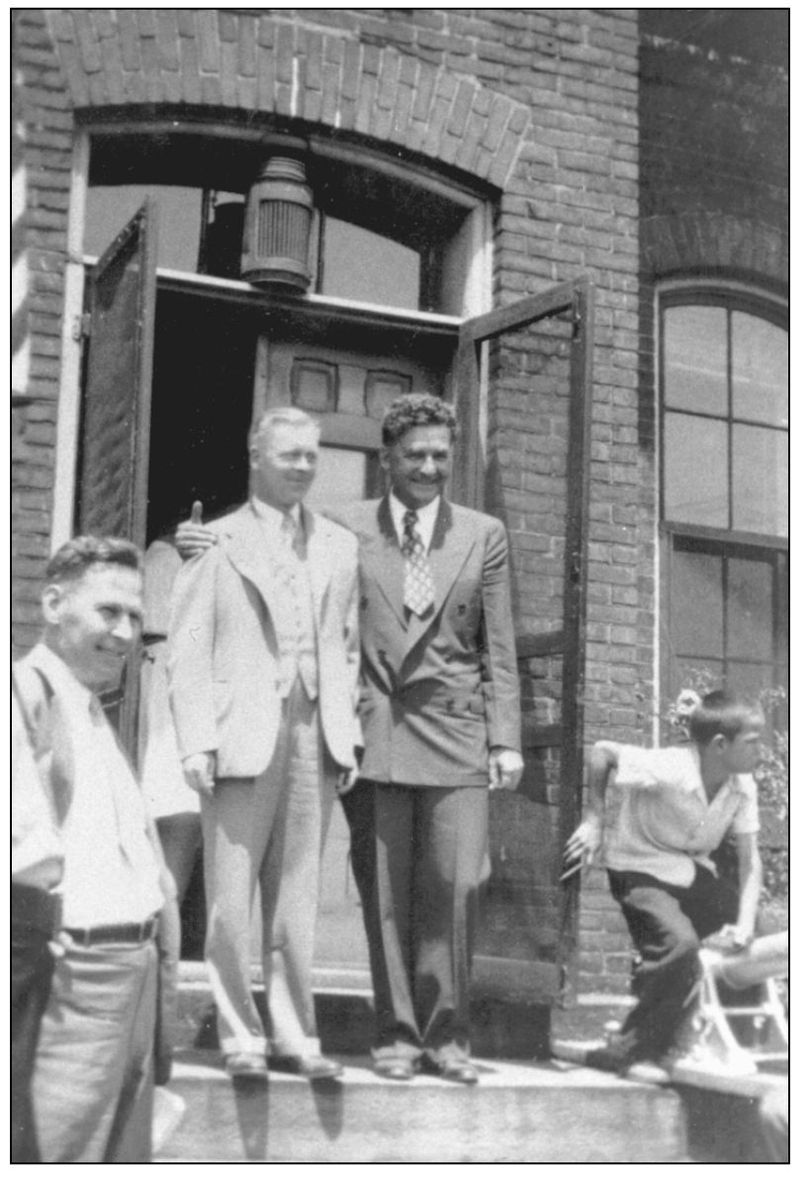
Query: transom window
375 239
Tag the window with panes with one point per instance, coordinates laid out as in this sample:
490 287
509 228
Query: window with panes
724 426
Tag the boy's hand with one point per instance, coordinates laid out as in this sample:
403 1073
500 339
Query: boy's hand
582 845
192 537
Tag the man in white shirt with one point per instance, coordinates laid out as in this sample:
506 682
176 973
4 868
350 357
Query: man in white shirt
92 1084
676 806
263 665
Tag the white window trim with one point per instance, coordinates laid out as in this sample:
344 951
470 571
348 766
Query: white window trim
69 402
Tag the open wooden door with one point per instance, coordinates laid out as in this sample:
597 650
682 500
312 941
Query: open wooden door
526 371
114 437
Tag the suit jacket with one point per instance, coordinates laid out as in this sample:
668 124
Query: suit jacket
438 693
223 651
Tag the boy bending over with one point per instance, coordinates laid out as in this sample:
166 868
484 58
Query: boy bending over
676 805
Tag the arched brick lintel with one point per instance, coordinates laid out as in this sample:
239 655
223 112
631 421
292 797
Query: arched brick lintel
262 63
715 243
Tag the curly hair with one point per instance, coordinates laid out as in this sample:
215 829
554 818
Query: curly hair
412 410
76 556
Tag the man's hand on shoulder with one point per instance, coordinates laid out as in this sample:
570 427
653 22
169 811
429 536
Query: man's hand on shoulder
199 772
191 536
505 768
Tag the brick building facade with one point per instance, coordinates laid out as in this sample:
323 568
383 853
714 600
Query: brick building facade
554 146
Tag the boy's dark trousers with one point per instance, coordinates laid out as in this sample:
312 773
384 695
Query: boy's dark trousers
667 924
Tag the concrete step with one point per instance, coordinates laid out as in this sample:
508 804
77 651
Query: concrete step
529 1112
345 1019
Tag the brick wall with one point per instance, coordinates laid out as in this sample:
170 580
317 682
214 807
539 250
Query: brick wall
541 107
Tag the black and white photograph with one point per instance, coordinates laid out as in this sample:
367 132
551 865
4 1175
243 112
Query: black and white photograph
399 585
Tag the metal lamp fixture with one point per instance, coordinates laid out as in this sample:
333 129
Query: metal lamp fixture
275 246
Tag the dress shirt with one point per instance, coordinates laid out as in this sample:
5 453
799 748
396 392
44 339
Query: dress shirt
36 847
111 868
426 517
665 823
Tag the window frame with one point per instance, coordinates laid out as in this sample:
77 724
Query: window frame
724 542
731 299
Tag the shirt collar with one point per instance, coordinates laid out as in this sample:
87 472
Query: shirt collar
695 783
59 674
426 517
273 516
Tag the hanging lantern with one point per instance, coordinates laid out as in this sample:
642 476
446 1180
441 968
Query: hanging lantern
275 247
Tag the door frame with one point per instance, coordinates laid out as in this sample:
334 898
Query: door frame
573 301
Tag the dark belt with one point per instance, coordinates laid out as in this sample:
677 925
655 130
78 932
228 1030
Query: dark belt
31 906
120 933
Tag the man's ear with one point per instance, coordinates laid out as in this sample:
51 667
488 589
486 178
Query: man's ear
719 743
384 459
52 599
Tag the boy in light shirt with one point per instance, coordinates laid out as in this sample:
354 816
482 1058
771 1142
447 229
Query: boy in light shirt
676 806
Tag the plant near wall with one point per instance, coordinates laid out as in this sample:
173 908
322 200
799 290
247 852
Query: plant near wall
772 776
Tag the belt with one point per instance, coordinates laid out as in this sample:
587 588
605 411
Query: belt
120 933
31 906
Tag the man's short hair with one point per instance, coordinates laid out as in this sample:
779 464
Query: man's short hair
73 559
277 415
721 712
412 410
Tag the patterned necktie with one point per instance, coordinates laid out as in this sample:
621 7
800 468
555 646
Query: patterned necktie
419 589
291 533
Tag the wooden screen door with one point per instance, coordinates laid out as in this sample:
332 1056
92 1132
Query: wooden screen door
114 435
528 367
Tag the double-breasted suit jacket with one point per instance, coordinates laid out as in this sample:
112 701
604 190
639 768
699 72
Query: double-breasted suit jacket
223 652
439 692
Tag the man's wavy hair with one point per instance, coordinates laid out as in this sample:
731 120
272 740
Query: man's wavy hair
721 712
412 410
73 559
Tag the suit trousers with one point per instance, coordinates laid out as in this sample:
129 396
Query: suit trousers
416 854
93 1084
269 832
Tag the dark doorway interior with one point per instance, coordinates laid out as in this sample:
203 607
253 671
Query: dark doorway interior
202 398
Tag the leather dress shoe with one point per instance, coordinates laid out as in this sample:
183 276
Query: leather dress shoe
246 1065
400 1070
459 1070
453 1069
311 1066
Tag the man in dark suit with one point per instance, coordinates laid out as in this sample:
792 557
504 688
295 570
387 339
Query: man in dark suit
440 715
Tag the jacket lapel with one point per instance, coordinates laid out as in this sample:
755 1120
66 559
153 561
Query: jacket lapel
319 534
246 544
382 561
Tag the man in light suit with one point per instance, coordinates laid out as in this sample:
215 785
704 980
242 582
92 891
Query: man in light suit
440 713
263 663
